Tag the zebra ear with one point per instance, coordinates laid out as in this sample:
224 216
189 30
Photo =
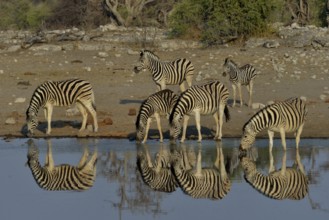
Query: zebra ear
141 53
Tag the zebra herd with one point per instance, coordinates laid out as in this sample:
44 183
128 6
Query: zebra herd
209 98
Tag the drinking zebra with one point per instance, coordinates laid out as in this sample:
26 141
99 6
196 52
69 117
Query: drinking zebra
157 175
211 183
61 93
166 72
62 177
157 104
240 76
286 183
206 99
283 116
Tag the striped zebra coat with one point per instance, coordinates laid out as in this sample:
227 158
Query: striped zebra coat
61 93
158 104
207 99
157 175
284 116
240 76
175 72
211 183
287 183
62 177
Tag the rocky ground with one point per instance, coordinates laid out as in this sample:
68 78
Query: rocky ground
283 72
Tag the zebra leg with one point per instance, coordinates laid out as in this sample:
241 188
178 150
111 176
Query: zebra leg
186 118
299 132
182 87
84 115
83 159
48 113
271 164
90 107
157 117
49 163
240 94
198 125
270 137
189 79
149 120
234 93
250 89
199 165
217 124
283 138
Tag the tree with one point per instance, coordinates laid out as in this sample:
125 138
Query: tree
123 12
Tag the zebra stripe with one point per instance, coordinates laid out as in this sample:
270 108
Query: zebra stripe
206 99
157 104
62 177
166 72
284 116
240 76
157 175
61 93
211 183
287 183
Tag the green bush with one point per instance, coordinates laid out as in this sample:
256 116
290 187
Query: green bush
213 21
23 14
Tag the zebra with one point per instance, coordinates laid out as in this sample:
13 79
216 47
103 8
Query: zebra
164 73
62 177
240 76
211 183
286 183
283 116
205 99
157 104
61 93
157 175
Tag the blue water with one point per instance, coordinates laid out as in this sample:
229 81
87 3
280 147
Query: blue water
120 193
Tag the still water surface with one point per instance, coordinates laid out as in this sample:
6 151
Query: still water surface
120 193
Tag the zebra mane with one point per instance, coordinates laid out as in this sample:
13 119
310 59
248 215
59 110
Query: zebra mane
150 53
230 61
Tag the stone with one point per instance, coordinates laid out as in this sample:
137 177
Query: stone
132 112
10 121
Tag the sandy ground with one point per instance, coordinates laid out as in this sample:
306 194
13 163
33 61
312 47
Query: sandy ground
299 72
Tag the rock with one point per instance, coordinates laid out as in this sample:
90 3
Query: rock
132 112
10 121
14 48
323 97
20 100
108 121
257 106
103 54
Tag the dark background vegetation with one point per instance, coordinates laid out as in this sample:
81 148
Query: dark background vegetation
210 21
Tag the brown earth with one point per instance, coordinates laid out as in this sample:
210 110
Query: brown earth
118 90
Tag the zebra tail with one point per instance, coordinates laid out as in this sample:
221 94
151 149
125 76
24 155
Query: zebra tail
227 113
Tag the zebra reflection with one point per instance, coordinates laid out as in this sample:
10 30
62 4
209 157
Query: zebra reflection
156 174
64 176
286 183
210 183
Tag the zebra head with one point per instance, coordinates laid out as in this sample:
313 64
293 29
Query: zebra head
140 132
228 64
32 123
32 154
249 167
248 138
144 60
175 128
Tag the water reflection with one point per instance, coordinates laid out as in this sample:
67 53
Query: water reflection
156 174
201 182
64 176
285 183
